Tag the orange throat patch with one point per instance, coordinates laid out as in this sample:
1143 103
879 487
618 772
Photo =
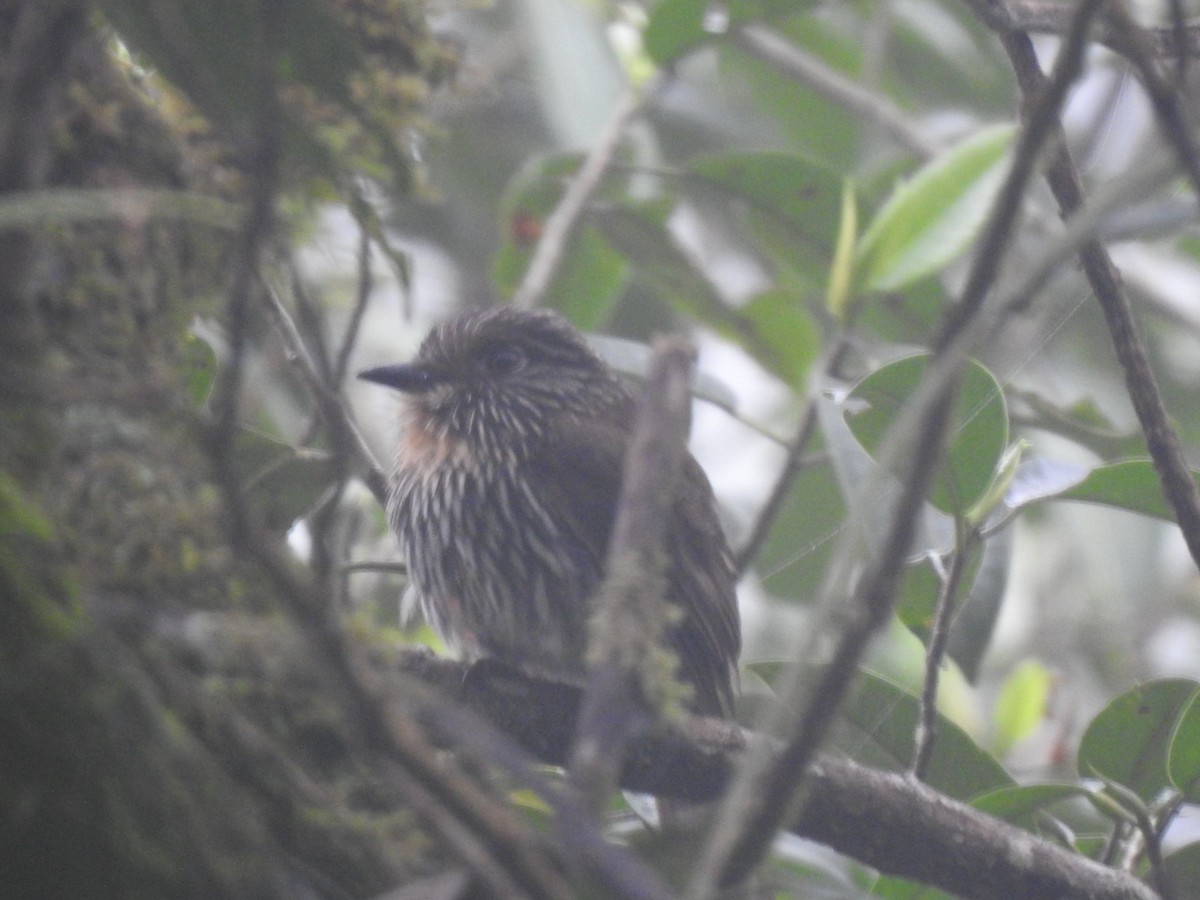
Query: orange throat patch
423 446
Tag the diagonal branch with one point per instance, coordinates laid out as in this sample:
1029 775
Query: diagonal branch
548 254
1178 485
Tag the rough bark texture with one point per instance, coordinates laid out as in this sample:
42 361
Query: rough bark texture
133 764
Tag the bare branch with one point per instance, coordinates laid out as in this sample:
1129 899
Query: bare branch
1173 117
1179 487
548 254
630 620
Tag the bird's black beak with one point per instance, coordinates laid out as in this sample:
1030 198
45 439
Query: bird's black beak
411 378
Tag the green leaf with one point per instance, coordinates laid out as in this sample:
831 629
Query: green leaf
971 631
977 436
1020 804
841 270
1131 484
876 726
284 482
1183 870
1021 706
918 595
1042 479
809 121
978 606
199 368
674 28
790 204
588 280
1183 756
933 218
907 317
787 329
1128 742
643 239
793 560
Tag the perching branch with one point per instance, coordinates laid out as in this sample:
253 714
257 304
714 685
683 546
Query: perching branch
884 819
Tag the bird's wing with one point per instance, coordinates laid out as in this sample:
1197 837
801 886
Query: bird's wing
581 472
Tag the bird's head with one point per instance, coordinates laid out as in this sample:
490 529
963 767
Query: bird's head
501 377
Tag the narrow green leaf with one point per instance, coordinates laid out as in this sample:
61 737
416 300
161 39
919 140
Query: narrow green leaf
841 271
1128 741
932 218
199 368
977 436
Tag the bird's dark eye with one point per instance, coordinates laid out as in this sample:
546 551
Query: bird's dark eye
503 359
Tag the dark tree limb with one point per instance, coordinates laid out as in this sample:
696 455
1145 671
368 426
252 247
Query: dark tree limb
1178 485
884 819
1180 39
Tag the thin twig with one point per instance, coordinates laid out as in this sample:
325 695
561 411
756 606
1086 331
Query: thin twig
1178 485
1173 116
332 407
1041 126
361 298
767 45
939 639
1152 841
560 224
631 615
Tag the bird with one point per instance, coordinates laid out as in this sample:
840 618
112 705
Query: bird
507 472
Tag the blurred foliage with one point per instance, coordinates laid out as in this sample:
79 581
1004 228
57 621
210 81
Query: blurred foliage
812 218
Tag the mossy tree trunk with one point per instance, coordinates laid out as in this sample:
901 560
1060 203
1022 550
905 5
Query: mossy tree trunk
164 731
